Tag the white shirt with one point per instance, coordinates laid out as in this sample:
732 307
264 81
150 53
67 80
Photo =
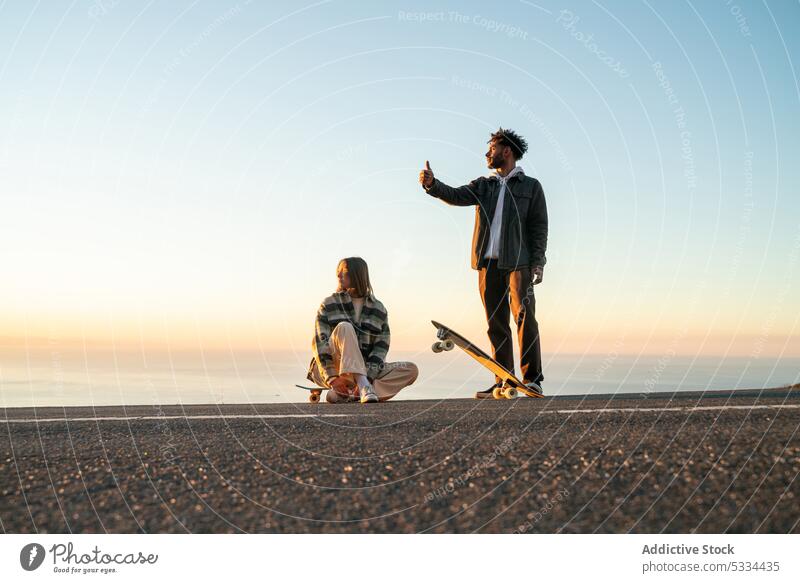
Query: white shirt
493 248
358 305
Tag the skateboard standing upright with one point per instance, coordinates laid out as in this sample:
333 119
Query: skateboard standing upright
511 385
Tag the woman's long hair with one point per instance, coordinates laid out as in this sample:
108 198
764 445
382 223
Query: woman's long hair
359 275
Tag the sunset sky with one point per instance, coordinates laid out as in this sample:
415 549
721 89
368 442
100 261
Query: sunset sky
188 174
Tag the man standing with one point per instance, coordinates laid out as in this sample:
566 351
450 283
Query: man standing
508 249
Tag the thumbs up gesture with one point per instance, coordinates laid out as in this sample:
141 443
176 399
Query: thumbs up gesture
426 175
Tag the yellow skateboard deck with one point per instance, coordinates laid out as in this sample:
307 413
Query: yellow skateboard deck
449 338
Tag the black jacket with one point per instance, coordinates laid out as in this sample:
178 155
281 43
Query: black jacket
523 233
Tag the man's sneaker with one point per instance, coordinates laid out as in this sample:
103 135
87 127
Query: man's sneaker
487 394
536 387
368 394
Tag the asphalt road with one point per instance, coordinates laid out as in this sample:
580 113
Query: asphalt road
721 462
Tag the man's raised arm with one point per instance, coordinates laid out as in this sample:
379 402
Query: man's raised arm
466 195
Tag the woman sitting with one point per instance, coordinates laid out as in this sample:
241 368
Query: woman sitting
351 342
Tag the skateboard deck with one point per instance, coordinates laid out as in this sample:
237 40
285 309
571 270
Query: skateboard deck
316 392
448 339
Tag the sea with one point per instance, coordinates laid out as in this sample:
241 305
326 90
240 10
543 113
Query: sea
99 378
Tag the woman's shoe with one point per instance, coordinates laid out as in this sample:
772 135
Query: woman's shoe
334 397
368 394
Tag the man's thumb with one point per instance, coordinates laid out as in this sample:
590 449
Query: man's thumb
427 165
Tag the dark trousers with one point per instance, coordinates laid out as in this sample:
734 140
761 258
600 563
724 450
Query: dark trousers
497 288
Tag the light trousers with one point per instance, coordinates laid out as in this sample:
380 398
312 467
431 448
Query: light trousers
348 360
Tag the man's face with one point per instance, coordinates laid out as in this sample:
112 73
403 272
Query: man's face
495 157
343 276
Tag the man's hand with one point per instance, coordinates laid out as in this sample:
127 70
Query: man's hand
426 175
341 385
538 274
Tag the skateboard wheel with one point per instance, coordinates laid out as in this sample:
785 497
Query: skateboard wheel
436 347
448 345
510 393
497 393
313 398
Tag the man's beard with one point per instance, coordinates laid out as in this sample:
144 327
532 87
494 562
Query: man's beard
495 163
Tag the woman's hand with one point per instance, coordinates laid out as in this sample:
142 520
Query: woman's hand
341 385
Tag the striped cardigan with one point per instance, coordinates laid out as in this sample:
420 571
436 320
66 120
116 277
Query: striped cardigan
372 330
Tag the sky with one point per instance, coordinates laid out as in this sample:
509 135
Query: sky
188 174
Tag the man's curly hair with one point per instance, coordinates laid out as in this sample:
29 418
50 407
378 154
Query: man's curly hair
511 139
